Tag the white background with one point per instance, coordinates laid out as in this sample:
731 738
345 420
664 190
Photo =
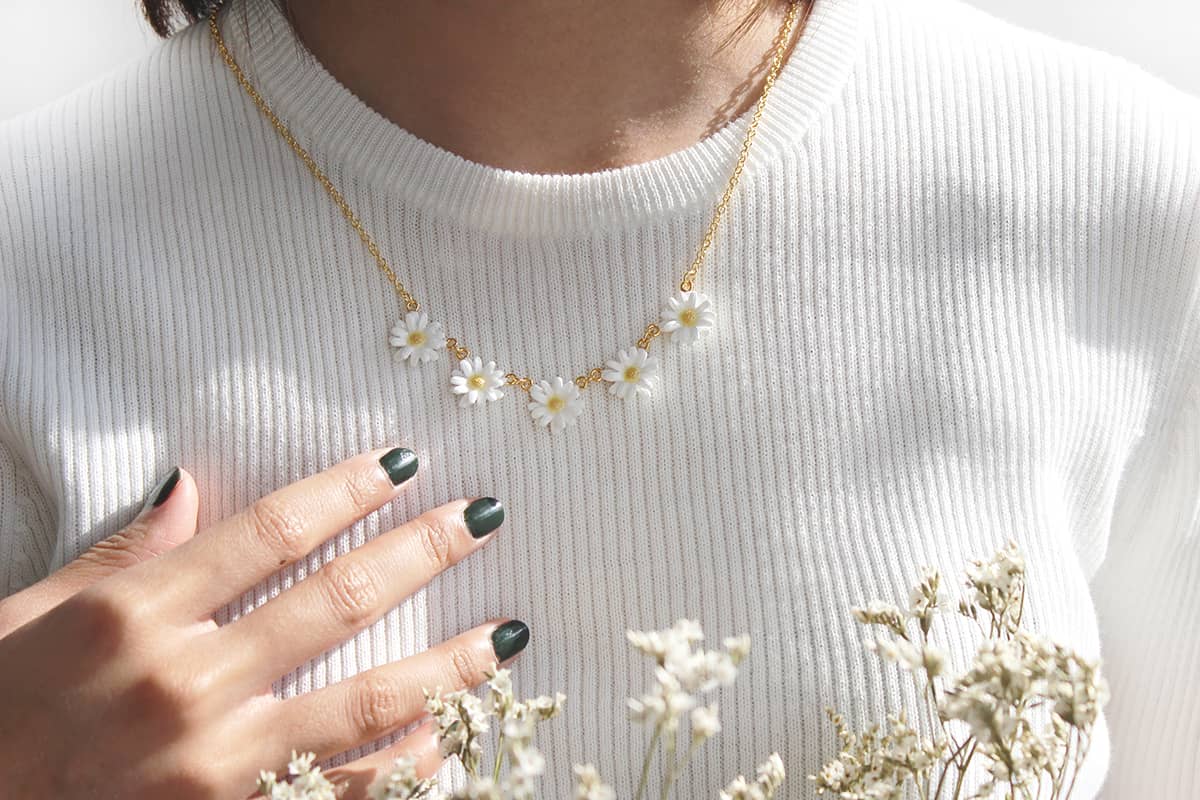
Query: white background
48 47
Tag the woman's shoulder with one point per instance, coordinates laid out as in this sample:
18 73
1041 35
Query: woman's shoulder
89 142
1057 121
982 56
1093 158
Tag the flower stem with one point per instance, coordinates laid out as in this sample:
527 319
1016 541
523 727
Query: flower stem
499 756
1084 746
669 761
962 773
677 770
953 760
650 751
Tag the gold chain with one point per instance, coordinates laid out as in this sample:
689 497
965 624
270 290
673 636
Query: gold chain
457 350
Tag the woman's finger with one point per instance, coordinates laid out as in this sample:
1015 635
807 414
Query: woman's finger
351 592
166 520
355 778
238 552
377 702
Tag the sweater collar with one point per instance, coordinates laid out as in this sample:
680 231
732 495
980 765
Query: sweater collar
350 139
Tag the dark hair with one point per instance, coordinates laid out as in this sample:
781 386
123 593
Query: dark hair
164 15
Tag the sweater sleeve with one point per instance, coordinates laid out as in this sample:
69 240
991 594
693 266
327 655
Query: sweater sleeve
1147 591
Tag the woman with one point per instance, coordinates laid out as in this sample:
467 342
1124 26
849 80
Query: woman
952 301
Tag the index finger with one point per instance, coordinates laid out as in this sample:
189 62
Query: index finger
281 527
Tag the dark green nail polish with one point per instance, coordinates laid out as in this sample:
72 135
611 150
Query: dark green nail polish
400 464
159 494
483 516
510 639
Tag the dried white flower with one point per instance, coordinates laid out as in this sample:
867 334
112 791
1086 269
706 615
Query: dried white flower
705 723
662 706
915 657
499 699
588 785
480 789
738 647
925 599
461 722
879 613
770 776
402 783
545 707
998 587
306 781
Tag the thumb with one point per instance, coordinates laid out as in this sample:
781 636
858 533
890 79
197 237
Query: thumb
167 519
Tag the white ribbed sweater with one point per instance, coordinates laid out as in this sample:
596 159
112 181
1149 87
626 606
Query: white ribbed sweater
957 303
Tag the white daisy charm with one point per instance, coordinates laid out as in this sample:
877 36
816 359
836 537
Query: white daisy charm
686 314
416 338
556 403
633 371
476 382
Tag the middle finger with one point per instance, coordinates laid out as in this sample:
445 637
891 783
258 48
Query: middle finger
351 592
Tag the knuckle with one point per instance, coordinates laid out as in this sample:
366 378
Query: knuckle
361 491
435 540
463 670
375 707
120 551
158 697
278 526
350 590
99 623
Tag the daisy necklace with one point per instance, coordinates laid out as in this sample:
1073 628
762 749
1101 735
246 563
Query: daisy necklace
417 338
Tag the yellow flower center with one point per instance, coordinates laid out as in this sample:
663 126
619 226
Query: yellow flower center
631 373
688 317
416 338
476 382
556 403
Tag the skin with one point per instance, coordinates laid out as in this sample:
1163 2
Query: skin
549 85
138 693
132 671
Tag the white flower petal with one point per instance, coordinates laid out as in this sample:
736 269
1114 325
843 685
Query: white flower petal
686 314
556 403
631 373
417 339
476 382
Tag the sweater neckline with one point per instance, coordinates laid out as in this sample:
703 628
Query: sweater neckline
351 139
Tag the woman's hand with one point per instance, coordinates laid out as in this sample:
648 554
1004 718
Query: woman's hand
116 683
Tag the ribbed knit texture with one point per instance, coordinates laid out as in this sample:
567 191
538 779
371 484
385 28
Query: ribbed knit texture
957 299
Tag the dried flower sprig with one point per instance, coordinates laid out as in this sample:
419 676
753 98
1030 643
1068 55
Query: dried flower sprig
1025 707
683 672
306 781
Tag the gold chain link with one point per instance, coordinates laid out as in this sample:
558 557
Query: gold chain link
457 350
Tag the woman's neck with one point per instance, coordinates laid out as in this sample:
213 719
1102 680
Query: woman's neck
548 85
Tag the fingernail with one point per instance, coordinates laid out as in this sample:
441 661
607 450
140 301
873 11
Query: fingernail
509 639
400 464
159 494
483 516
